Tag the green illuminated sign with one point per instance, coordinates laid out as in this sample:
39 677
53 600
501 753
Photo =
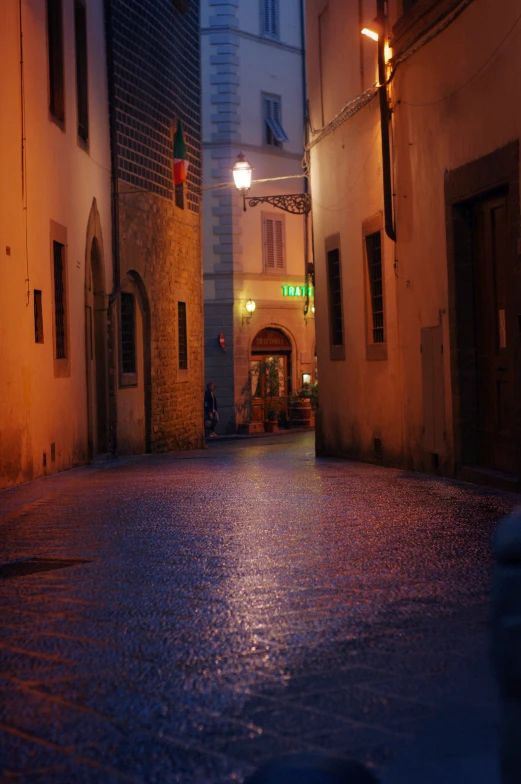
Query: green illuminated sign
297 291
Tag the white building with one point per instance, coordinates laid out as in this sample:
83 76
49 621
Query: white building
55 236
253 102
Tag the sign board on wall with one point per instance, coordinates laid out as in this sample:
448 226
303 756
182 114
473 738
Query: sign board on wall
297 291
270 340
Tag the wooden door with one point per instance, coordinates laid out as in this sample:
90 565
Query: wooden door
494 330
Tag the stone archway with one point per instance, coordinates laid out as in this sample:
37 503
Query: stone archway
96 303
134 349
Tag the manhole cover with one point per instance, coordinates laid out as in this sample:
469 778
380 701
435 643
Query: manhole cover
34 565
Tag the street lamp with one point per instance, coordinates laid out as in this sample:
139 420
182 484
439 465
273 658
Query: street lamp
296 203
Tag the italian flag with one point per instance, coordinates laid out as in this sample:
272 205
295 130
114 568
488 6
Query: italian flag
180 156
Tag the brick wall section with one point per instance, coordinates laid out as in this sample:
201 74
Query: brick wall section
157 79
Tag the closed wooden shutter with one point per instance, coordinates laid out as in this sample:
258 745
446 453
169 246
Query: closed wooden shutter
274 250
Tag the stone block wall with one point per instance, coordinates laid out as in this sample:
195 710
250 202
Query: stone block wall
156 64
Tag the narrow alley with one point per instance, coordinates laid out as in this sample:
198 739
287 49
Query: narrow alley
195 613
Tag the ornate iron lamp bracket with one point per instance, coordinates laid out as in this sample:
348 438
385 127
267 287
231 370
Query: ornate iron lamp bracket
296 203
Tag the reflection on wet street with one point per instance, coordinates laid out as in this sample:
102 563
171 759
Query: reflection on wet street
232 604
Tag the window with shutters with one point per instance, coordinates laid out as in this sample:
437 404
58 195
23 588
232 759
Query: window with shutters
274 243
82 97
270 18
274 133
376 338
55 58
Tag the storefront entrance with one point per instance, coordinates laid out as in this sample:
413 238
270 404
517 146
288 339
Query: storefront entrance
270 375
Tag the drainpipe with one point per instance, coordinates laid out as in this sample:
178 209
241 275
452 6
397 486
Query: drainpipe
112 332
384 124
309 269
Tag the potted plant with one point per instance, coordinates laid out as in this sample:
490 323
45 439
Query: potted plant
271 423
301 407
246 423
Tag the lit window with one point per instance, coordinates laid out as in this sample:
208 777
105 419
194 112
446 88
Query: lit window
274 133
270 18
274 243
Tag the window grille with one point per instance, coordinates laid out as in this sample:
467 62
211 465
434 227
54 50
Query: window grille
336 321
274 244
373 243
128 332
38 317
82 97
274 133
183 336
55 54
59 301
270 18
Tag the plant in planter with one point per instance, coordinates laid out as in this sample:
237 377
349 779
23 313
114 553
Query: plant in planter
244 411
271 423
301 407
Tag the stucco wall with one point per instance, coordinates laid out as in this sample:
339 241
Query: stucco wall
452 102
59 182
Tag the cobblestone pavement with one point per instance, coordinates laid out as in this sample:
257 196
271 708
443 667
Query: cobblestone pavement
231 604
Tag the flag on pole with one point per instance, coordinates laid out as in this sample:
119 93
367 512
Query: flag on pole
180 156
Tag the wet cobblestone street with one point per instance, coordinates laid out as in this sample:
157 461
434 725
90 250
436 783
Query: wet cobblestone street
232 604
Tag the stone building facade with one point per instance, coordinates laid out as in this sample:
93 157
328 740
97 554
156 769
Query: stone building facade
252 65
155 71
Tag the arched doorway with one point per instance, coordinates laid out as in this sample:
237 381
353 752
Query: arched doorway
135 375
271 374
96 352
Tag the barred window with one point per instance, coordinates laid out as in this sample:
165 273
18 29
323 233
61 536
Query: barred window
128 332
373 243
336 321
55 54
183 336
38 316
60 342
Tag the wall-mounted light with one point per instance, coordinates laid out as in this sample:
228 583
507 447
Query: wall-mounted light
370 33
384 53
250 309
296 203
